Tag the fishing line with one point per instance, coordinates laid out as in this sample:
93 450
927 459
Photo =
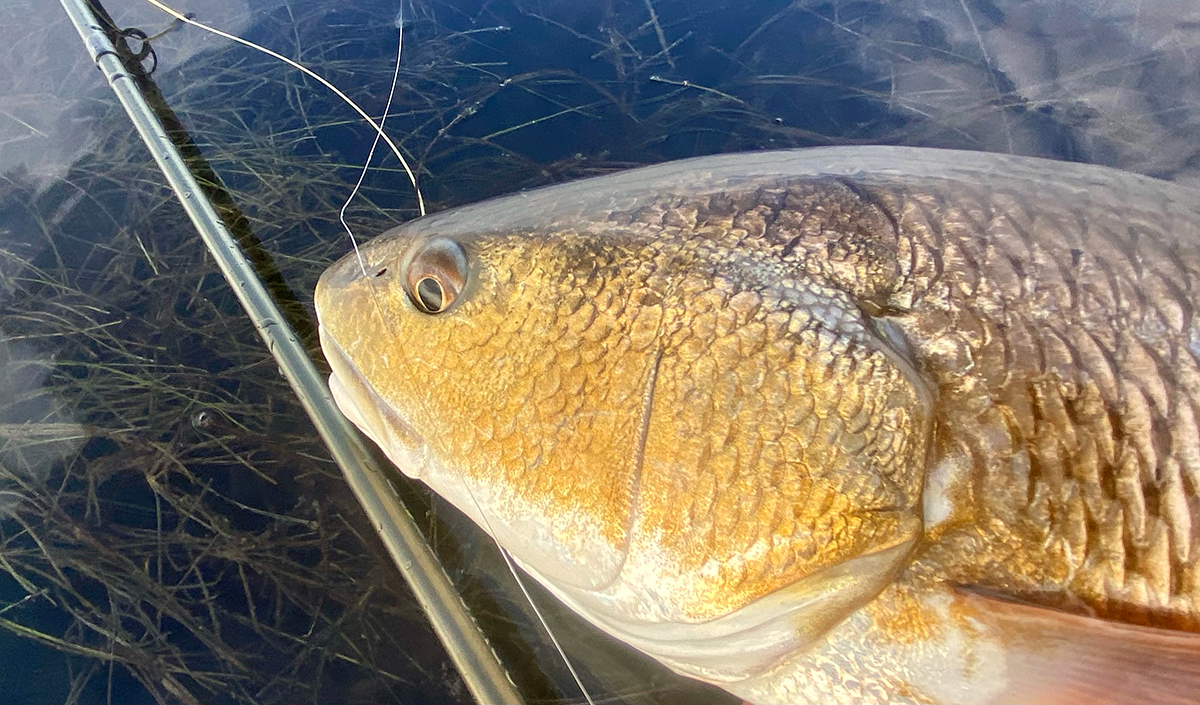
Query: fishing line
512 568
313 75
563 654
375 143
379 133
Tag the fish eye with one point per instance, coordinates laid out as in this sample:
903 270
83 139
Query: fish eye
435 275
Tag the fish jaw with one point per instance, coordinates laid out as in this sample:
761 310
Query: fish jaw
363 406
517 528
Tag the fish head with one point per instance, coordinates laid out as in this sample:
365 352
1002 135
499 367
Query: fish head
709 456
483 366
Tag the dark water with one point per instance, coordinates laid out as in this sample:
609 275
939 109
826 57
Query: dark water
169 529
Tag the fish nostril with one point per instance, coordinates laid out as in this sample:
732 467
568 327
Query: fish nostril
381 272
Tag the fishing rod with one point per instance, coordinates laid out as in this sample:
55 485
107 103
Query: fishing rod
478 664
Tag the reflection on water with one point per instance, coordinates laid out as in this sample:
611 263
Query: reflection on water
170 531
1107 83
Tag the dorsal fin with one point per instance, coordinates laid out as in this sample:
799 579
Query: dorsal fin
1059 657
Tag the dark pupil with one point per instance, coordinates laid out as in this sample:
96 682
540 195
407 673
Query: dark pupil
429 294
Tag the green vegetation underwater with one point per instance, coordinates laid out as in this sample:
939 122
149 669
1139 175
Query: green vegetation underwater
171 528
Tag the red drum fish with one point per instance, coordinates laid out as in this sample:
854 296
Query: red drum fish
862 424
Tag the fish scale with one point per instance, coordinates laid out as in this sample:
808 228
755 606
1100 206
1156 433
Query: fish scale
1062 384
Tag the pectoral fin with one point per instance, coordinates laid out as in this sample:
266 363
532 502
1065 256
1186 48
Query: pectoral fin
1057 657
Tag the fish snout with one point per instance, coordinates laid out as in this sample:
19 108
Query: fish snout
348 270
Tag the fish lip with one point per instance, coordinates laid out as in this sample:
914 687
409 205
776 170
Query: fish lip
398 440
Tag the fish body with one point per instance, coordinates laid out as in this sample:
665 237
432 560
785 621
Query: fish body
832 425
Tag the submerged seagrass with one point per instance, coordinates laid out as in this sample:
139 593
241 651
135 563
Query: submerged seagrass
848 424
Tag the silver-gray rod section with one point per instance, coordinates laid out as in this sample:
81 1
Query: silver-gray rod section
473 656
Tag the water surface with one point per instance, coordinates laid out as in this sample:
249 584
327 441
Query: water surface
169 529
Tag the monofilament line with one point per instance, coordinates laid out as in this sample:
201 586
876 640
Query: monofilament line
375 143
512 568
528 598
313 75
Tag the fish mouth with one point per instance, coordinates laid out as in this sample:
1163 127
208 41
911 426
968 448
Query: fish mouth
366 408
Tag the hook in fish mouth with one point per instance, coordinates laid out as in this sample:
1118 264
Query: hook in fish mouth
367 410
